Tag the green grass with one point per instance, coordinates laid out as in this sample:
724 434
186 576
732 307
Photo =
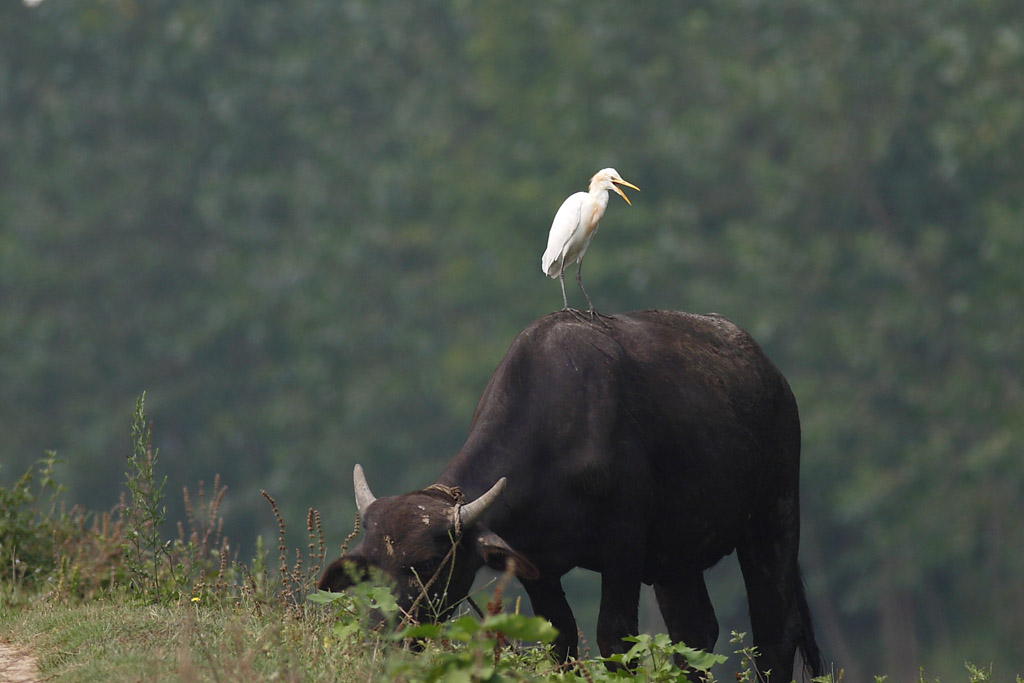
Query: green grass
114 639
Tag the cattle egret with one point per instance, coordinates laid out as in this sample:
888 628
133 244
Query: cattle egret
574 226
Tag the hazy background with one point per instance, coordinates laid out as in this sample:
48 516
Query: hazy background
309 230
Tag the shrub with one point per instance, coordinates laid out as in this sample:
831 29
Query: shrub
28 523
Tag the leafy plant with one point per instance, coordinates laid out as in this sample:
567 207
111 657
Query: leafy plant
465 647
657 658
26 532
195 563
354 607
749 672
144 552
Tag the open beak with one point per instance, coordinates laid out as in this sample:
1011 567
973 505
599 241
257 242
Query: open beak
619 181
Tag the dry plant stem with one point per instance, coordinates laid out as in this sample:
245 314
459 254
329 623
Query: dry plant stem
295 580
221 583
355 532
495 605
316 542
189 517
281 549
582 670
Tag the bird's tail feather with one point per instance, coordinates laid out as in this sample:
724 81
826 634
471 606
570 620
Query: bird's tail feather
551 264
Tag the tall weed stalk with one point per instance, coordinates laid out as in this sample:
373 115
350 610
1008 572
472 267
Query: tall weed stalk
144 551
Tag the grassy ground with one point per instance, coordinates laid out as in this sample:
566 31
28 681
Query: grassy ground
117 640
115 637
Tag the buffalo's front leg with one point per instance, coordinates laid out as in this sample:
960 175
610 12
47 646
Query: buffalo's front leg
620 595
548 600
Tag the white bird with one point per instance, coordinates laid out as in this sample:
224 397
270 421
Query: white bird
574 226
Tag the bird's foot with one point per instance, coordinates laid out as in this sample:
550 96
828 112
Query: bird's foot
596 317
579 315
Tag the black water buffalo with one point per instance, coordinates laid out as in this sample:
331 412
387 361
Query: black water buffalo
644 446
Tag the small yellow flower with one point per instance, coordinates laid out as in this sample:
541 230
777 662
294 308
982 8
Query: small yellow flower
195 599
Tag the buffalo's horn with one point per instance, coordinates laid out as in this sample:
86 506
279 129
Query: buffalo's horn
470 513
364 496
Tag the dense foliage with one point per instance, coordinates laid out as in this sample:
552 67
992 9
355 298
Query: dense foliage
310 230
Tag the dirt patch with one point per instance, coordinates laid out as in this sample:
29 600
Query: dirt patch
16 666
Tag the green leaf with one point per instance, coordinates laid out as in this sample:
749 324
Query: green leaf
380 597
344 629
324 597
522 627
699 659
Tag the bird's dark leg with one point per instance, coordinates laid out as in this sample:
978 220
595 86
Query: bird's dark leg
594 315
579 281
565 299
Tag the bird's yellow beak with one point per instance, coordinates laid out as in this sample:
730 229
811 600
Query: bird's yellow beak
616 182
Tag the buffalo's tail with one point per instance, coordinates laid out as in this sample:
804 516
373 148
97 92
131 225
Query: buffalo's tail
813 661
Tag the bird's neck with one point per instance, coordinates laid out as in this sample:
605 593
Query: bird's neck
600 196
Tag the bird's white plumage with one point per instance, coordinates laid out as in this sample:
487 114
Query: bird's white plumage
571 231
575 224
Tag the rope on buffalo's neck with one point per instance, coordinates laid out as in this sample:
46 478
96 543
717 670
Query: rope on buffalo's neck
452 492
458 499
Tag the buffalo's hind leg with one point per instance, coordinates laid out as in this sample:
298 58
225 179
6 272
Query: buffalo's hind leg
548 600
686 608
778 613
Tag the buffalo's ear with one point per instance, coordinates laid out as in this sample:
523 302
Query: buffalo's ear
343 573
496 553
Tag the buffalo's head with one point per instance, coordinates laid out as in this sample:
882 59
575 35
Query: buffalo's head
429 543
